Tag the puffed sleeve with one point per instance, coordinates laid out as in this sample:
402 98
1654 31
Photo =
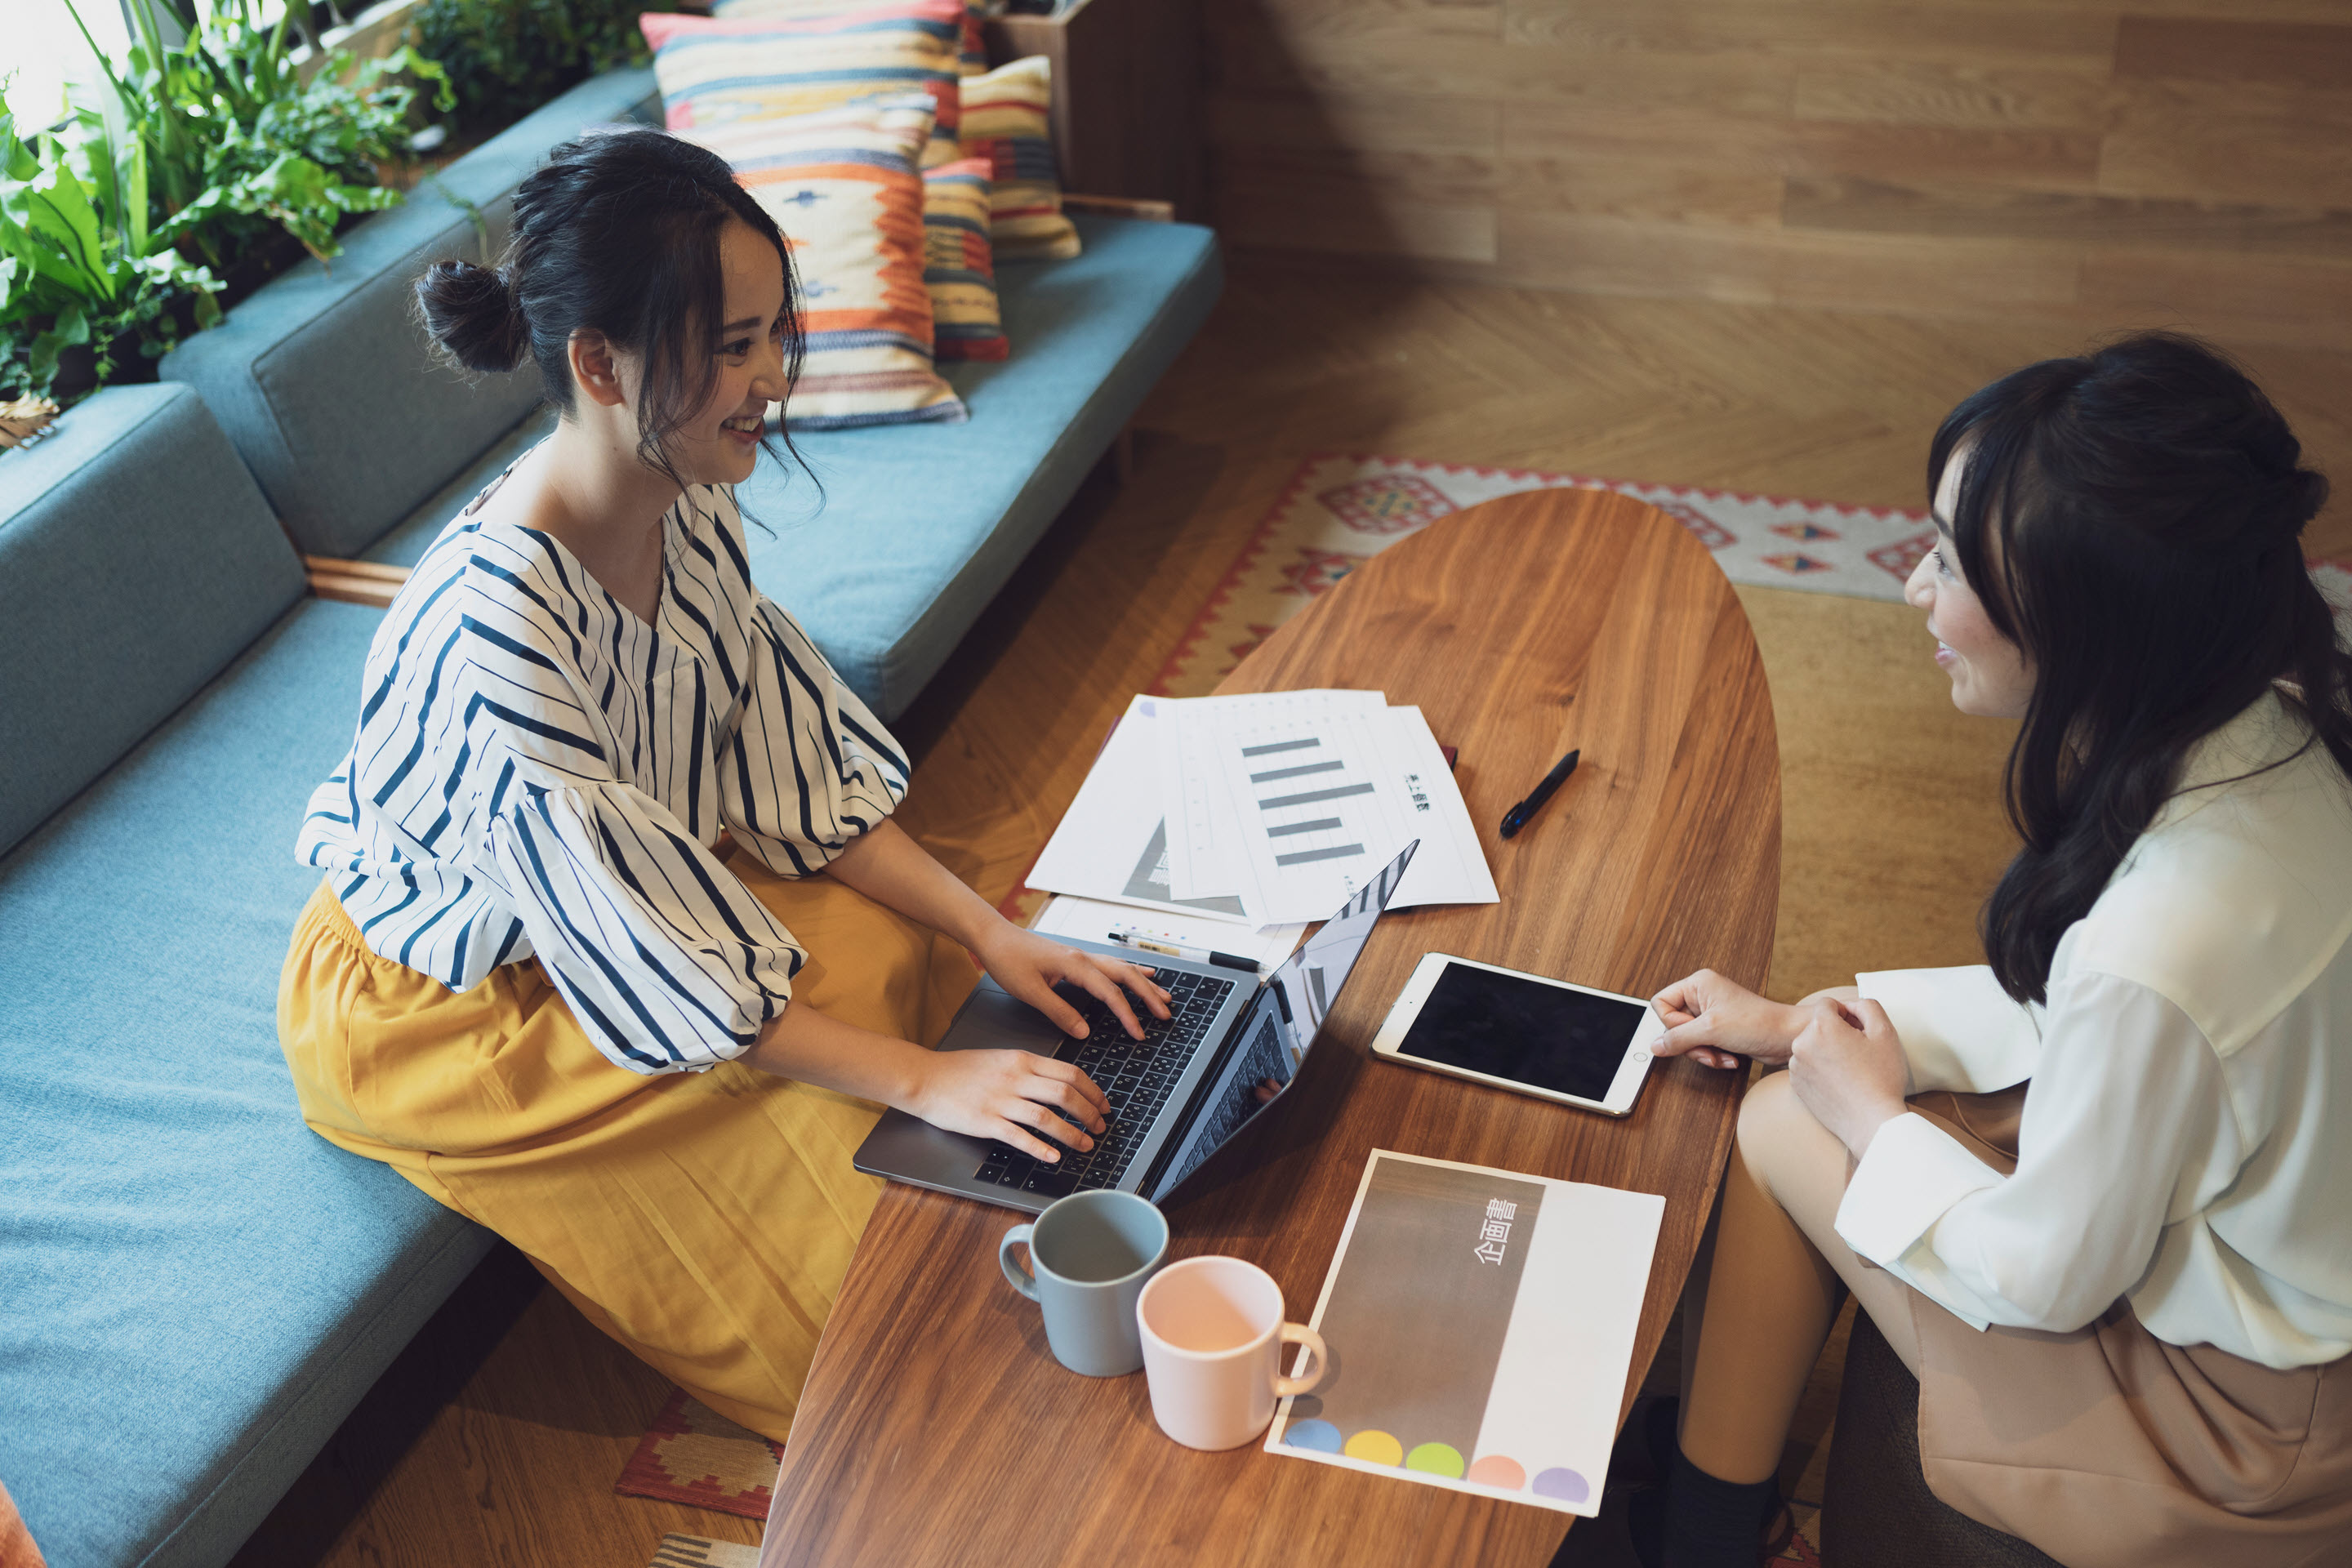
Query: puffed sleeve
1961 1030
665 959
805 766
2128 1095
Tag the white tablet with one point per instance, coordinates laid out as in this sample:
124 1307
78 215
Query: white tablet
1511 1030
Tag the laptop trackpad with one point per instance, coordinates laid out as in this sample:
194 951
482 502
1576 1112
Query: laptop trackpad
995 1020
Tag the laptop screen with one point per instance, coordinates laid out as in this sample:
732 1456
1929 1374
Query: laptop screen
1276 1031
1308 980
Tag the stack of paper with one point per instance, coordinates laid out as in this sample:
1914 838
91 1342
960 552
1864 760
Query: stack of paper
1265 810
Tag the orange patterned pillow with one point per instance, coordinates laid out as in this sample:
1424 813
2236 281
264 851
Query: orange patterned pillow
842 185
974 53
716 70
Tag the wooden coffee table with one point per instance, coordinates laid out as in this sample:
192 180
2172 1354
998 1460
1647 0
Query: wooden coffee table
938 1428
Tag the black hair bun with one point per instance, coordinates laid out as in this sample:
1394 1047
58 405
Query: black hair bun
473 315
2308 494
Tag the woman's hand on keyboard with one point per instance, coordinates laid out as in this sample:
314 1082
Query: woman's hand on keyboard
1029 966
1010 1095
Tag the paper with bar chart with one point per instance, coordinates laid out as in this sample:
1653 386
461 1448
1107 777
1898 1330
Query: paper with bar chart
1293 801
1481 1327
1204 855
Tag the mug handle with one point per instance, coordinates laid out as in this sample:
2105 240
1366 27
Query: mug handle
1300 1334
1020 1279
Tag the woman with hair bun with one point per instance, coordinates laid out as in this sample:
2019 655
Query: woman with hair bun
618 950
2097 1192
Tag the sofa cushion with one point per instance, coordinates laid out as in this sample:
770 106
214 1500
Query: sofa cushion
322 378
198 1287
1005 120
960 265
139 559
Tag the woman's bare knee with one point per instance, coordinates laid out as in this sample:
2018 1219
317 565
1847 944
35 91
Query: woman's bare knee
1788 1153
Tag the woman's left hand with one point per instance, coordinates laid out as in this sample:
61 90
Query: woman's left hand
1848 1069
1029 966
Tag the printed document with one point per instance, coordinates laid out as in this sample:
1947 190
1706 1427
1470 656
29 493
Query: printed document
1481 1325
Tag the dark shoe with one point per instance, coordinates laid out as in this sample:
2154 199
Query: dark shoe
1698 1520
1644 1454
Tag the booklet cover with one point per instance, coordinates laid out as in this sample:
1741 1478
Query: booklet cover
1481 1325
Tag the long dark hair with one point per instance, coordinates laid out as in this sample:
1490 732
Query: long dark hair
2131 519
617 233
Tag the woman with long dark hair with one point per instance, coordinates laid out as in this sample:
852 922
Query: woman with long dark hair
618 947
2097 1192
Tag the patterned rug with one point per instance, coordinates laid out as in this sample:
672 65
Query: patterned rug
1339 512
693 1455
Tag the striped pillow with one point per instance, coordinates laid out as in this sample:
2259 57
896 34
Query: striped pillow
966 323
973 56
1005 121
842 185
714 70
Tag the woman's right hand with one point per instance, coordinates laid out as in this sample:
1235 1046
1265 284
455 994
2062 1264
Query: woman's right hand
1006 1095
1718 1023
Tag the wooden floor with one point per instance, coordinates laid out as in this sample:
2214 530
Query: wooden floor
496 1439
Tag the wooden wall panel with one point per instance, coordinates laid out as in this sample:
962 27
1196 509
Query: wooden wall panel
2077 161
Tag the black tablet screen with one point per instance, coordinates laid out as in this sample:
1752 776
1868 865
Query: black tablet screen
1505 1026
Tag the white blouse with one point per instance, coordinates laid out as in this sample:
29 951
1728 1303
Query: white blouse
2187 1139
538 772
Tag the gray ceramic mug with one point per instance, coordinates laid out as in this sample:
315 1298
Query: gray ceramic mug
1090 1255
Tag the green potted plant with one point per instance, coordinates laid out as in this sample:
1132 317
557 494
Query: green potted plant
506 57
192 173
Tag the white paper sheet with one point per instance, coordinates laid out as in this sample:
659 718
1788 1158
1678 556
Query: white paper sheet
1307 802
1111 844
1205 857
1481 1325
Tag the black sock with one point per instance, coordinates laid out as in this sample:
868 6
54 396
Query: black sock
1713 1523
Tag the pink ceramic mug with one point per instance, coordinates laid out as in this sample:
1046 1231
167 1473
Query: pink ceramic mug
1212 1336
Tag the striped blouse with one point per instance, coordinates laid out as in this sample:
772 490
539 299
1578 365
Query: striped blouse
539 774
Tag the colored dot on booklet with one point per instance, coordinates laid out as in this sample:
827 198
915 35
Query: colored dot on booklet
1320 1435
1564 1484
1498 1470
1436 1459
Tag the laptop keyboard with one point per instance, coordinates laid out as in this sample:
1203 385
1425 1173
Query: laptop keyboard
1136 1076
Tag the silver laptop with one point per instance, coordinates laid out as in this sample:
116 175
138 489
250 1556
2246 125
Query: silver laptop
1178 1096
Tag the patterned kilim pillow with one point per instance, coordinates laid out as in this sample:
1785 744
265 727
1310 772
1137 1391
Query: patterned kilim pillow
957 265
1005 121
972 59
715 69
842 185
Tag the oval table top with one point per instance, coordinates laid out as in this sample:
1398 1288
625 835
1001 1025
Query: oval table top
937 1428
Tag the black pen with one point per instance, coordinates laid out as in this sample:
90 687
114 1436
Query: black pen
1197 955
1516 817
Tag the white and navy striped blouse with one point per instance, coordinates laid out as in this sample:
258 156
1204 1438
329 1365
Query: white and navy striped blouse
539 774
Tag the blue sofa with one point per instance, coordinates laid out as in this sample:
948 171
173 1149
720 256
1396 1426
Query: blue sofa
195 1290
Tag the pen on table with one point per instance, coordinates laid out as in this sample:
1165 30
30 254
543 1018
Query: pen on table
1516 817
1197 955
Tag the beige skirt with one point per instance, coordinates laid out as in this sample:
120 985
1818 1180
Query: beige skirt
2108 1447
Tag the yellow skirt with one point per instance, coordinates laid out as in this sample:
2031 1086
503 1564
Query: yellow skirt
704 1220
